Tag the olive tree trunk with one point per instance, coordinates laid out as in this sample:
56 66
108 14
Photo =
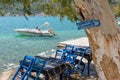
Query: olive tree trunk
104 40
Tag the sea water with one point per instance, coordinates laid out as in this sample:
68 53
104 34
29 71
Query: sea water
13 47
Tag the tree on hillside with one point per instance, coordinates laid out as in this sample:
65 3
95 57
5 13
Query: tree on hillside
116 10
104 40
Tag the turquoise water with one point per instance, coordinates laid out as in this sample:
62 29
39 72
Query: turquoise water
13 46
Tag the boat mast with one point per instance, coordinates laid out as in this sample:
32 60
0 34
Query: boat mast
45 24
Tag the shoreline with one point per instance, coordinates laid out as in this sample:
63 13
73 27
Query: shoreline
36 14
83 41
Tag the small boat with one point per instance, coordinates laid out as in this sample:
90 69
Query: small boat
37 31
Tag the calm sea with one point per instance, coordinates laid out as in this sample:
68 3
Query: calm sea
13 47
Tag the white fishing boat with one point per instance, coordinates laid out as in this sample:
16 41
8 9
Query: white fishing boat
37 31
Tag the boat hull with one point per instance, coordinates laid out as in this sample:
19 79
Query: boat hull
35 32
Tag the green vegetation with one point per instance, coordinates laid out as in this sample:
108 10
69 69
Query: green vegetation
116 10
61 8
115 6
50 7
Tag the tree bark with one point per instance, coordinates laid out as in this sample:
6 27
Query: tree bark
104 40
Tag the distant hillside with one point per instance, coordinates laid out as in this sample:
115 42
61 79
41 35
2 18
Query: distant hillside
7 10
